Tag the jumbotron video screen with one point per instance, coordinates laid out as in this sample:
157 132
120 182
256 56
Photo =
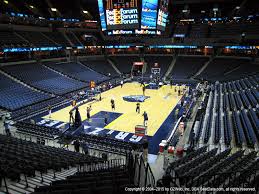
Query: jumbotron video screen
133 16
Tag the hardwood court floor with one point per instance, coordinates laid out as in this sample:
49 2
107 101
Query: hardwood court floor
158 107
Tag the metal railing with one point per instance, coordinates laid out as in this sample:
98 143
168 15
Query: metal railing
143 175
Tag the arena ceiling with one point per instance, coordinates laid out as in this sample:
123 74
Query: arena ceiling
75 8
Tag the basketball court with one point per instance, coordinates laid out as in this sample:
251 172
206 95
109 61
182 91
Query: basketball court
158 106
158 102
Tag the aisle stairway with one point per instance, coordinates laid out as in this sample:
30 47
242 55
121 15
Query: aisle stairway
33 182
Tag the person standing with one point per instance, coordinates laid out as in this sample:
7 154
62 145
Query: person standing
144 89
88 111
171 83
142 83
176 114
113 104
182 102
138 108
192 139
179 92
145 118
122 83
77 145
7 129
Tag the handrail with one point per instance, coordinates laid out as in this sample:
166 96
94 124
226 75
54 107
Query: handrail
152 175
174 130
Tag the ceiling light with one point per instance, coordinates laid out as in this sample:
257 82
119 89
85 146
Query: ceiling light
53 9
6 2
202 11
237 7
84 11
31 6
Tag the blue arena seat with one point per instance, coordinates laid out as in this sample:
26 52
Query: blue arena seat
24 96
44 79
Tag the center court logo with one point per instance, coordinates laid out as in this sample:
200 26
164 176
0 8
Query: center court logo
135 98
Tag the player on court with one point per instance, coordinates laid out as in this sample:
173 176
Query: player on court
138 108
144 89
113 104
145 118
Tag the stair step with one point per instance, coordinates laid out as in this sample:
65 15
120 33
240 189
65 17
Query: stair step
68 173
36 182
45 181
22 185
50 177
11 191
18 189
30 185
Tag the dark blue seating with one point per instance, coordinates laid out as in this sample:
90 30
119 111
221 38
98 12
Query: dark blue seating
199 132
245 100
254 120
14 95
23 157
100 65
187 66
44 79
223 69
78 71
238 101
227 129
217 133
124 63
208 129
251 98
247 128
238 129
243 84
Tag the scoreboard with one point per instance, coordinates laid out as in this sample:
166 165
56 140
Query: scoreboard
123 18
122 14
162 14
149 14
133 16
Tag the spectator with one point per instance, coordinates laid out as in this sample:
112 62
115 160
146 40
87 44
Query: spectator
7 129
77 145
